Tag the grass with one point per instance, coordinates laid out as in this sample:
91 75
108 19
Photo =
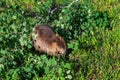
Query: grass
97 57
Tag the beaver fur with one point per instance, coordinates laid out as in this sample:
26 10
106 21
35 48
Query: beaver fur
46 41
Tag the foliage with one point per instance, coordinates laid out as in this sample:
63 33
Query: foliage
90 28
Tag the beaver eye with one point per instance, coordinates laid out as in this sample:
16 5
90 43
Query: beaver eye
56 49
39 47
58 52
54 40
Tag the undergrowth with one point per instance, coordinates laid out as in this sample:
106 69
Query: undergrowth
90 28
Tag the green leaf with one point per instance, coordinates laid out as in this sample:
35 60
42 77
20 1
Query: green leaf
44 58
27 69
70 45
69 77
14 17
46 70
67 65
1 66
29 46
24 23
3 51
54 62
36 9
82 27
68 72
1 38
60 71
0 3
97 14
62 78
90 28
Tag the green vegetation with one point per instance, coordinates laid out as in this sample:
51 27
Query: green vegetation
91 29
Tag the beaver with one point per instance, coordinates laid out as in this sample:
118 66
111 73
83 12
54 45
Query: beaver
45 40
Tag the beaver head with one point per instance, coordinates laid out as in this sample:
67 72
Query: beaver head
58 45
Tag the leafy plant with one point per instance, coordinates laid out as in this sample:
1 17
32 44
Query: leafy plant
90 29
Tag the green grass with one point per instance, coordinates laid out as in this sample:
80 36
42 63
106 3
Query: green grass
93 56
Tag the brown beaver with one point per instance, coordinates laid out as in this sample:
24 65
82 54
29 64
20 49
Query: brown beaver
46 41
